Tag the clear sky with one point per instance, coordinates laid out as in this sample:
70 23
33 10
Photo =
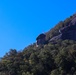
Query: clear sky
21 21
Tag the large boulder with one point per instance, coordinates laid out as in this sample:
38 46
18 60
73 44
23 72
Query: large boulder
41 39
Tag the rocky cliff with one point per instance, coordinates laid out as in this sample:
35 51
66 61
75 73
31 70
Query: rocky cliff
67 32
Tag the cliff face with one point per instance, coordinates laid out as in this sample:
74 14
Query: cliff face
71 35
67 32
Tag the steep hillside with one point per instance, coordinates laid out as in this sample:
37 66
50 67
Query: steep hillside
55 31
49 59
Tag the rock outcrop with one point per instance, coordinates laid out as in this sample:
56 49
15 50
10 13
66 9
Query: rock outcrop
41 39
67 32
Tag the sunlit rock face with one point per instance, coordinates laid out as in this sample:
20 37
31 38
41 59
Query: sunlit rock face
71 35
73 21
67 32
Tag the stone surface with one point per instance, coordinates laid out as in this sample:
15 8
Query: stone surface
41 39
67 32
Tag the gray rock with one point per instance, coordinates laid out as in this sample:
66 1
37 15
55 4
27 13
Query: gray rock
67 32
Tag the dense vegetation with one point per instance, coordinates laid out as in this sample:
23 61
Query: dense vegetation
50 59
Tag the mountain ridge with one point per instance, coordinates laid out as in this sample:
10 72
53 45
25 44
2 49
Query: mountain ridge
49 59
67 31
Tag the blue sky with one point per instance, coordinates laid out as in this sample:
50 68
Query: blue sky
21 21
